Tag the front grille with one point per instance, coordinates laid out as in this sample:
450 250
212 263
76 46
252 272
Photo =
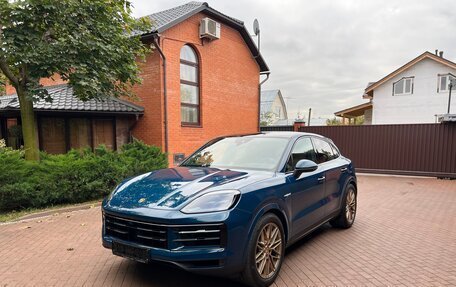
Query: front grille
200 235
165 236
135 231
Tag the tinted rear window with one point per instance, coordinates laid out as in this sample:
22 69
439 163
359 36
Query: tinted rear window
323 150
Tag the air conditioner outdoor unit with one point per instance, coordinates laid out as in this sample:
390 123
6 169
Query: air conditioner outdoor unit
209 29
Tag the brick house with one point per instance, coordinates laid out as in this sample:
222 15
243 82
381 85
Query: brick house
197 84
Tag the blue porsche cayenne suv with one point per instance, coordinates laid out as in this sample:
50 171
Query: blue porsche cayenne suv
233 206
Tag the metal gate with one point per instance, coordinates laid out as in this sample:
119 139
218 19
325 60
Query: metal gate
412 149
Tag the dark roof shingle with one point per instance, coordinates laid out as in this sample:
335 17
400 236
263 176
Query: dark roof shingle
63 100
165 17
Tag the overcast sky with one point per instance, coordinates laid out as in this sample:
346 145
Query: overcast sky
323 53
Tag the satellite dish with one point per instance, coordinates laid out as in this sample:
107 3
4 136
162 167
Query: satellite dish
256 27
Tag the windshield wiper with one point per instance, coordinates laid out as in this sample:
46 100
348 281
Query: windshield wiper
196 165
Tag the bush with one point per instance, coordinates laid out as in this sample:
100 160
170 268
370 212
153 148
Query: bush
77 176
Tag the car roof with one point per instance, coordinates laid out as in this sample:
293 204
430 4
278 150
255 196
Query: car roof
279 134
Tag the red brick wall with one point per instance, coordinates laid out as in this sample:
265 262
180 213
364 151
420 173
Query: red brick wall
229 78
10 90
150 127
55 80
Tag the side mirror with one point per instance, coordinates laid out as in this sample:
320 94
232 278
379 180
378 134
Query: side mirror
304 165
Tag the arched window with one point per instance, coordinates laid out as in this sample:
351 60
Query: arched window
189 86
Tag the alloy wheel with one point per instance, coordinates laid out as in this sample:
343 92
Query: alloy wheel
268 250
350 208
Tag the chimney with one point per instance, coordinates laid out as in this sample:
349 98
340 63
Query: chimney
441 54
298 123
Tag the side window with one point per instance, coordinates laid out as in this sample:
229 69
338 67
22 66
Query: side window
189 86
302 149
323 150
444 81
335 151
403 87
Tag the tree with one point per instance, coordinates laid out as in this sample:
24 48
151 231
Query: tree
359 121
88 43
2 84
336 122
268 118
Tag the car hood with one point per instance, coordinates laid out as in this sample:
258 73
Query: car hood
170 188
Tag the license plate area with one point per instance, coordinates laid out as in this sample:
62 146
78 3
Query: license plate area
131 252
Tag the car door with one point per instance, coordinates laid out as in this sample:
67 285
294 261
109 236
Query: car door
333 167
342 166
306 193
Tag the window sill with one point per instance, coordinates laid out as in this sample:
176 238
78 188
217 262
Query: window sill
191 125
399 95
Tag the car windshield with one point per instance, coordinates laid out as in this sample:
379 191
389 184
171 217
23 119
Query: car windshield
263 153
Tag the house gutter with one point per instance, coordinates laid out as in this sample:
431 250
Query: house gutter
165 97
130 130
259 96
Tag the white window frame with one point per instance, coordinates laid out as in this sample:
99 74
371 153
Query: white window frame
448 76
412 80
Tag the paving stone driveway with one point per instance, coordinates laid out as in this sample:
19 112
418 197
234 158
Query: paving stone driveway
404 234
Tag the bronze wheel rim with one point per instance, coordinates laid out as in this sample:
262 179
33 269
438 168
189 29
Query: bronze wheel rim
268 251
350 207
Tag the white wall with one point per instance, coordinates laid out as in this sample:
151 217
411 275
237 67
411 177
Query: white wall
419 107
278 109
368 117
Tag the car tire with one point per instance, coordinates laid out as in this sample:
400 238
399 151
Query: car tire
347 214
263 272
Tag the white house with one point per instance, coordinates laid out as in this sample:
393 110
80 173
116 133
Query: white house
273 109
414 93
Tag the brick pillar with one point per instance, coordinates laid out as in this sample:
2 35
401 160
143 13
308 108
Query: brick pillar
298 124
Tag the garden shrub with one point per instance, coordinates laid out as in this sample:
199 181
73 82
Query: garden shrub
77 176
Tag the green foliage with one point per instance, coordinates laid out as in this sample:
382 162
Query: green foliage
267 119
87 42
94 45
77 176
359 120
336 122
2 84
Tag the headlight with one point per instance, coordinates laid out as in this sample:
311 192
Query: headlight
212 202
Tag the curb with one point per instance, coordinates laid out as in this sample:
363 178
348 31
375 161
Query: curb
59 210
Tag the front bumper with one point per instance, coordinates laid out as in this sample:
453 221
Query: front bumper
187 241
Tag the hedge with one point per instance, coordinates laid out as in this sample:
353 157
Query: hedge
77 176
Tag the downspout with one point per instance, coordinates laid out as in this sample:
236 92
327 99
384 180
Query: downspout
165 98
130 130
259 97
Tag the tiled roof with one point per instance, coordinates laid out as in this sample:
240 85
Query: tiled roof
163 19
63 100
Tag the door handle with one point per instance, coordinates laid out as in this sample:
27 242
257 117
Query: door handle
321 178
344 169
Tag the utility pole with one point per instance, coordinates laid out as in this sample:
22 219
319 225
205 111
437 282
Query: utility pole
308 118
450 86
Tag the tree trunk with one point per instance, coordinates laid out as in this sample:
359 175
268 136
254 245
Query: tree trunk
28 125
